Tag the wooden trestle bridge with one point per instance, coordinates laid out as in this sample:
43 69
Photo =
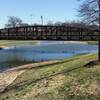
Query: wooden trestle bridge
43 32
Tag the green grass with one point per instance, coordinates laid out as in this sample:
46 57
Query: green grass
68 79
15 42
92 42
19 42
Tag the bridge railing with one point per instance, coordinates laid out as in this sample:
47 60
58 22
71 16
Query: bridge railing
49 33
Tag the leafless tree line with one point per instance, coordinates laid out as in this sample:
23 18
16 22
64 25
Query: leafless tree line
89 11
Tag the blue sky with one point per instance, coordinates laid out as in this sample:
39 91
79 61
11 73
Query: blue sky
51 10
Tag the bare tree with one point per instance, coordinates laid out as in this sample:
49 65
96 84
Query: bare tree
75 24
24 24
89 11
13 22
58 23
50 23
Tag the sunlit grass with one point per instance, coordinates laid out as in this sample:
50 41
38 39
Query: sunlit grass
15 42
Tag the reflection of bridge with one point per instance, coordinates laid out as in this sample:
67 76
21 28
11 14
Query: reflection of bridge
49 33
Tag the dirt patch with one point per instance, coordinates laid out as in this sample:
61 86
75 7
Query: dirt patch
10 75
7 78
47 85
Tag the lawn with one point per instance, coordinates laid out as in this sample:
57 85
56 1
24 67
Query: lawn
92 42
4 43
68 79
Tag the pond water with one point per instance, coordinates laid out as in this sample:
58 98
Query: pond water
42 51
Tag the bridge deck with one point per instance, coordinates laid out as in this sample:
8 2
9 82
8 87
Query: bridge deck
49 33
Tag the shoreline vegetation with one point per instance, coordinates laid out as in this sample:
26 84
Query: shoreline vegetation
10 43
61 80
92 42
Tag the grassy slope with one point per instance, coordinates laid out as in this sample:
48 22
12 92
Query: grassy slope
92 42
14 42
66 80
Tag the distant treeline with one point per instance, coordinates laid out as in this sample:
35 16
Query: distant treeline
75 24
17 22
